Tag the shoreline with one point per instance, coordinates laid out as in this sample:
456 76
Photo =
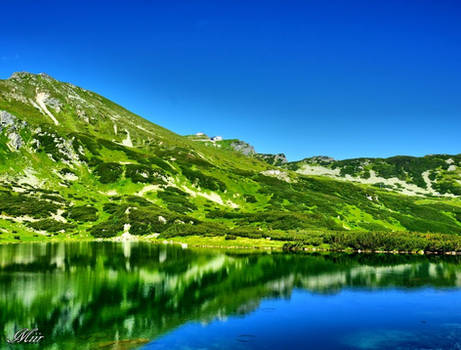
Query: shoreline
214 242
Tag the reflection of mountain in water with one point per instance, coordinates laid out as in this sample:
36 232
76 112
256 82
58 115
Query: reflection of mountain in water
95 292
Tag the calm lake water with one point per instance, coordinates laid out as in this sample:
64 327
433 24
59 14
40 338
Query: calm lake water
138 295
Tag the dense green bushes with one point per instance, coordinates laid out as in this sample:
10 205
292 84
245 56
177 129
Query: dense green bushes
161 164
249 198
143 217
19 205
176 200
67 171
48 143
405 168
108 228
265 219
202 229
50 225
415 166
82 141
82 213
202 180
155 220
112 208
145 222
444 186
144 174
108 172
378 241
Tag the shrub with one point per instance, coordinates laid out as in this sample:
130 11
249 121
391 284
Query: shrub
108 172
249 198
107 229
50 225
176 200
202 180
161 164
145 222
144 174
19 205
112 208
82 213
202 229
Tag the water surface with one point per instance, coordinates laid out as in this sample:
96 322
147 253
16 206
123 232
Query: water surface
138 295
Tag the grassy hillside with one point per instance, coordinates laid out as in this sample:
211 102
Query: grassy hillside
438 175
76 165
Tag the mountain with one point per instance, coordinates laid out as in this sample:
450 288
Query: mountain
436 175
239 146
75 165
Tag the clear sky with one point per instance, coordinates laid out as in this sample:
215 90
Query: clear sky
340 78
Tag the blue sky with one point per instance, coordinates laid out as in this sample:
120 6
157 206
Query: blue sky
339 78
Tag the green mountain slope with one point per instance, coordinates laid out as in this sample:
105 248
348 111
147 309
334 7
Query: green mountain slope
437 175
74 164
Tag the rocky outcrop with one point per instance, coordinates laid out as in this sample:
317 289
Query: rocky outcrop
273 159
321 159
243 147
6 120
27 75
10 125
53 103
15 141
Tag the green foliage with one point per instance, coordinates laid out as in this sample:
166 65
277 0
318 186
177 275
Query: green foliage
377 241
82 213
202 180
48 143
130 153
19 205
202 228
176 200
249 198
419 218
112 208
67 171
53 197
144 174
50 225
144 218
82 141
145 222
137 201
108 172
154 220
415 166
445 186
405 168
161 164
107 229
353 167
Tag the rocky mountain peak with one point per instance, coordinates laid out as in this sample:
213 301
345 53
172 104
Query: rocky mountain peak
28 75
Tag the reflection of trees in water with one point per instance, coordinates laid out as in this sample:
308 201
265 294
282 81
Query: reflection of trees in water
97 291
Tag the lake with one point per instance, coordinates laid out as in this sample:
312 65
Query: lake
102 295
